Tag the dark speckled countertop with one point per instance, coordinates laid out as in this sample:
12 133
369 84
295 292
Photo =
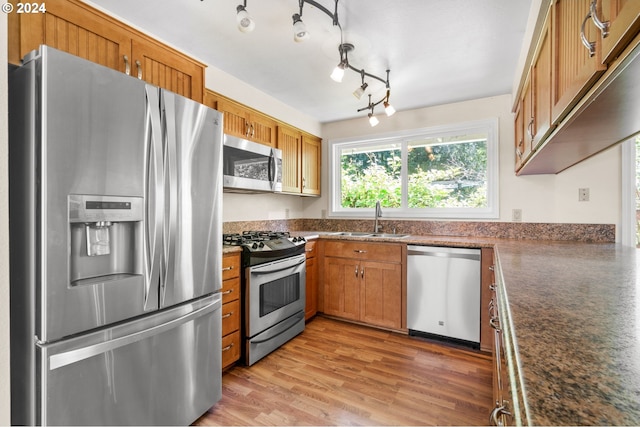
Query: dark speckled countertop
575 310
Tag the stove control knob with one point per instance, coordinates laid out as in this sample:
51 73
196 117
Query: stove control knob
261 244
294 239
254 246
301 239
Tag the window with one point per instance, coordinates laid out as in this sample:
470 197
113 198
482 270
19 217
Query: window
443 172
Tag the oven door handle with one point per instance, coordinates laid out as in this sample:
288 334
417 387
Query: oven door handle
284 327
278 269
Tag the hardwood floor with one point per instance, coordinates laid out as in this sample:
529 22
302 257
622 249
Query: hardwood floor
337 373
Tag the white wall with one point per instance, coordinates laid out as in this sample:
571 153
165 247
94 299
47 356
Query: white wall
542 198
5 403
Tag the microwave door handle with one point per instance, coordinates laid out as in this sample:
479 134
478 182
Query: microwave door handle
273 169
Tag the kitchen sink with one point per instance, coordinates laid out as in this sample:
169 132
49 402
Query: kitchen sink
365 234
352 233
388 235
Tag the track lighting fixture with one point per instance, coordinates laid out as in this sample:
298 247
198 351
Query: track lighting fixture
246 24
360 90
300 34
388 109
373 120
338 73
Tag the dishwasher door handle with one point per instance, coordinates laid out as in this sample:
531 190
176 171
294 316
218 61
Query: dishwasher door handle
474 257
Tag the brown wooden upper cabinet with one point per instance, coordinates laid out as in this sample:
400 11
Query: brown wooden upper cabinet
301 161
623 21
77 28
578 54
246 123
580 42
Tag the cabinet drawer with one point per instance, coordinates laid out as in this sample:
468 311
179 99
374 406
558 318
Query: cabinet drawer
386 252
310 249
230 290
230 266
230 348
230 317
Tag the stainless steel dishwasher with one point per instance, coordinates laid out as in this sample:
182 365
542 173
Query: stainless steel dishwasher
443 293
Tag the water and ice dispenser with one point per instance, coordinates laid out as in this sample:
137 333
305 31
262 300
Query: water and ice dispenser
106 236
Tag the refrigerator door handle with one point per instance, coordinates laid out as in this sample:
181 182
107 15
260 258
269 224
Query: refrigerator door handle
154 196
73 356
171 191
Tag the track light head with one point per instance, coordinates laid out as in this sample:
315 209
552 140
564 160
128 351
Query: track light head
373 120
300 32
388 109
338 73
246 24
360 91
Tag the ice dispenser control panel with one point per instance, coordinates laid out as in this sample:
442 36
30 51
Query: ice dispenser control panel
95 209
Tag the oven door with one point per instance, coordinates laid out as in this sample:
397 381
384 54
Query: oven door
276 291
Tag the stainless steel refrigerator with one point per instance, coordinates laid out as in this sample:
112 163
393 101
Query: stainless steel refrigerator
115 228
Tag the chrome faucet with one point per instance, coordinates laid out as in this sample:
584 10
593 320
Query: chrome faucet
378 214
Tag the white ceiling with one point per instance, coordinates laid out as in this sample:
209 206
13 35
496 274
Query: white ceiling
438 51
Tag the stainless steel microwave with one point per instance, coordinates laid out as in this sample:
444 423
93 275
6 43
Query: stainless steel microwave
249 167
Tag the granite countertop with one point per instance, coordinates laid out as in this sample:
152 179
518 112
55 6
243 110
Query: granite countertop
575 311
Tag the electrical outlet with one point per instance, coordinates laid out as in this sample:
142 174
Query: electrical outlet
516 215
583 194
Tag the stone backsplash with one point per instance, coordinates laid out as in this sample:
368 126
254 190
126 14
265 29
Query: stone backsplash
602 233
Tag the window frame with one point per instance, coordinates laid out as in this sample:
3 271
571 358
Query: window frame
491 211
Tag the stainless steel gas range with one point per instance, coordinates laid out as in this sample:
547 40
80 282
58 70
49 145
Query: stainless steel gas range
273 283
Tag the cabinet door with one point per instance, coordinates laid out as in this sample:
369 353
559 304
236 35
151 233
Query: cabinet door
235 118
487 294
519 135
311 305
342 288
541 90
167 69
289 141
311 164
381 294
71 27
623 17
262 129
528 117
575 69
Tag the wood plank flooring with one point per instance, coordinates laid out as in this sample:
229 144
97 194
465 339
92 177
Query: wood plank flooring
337 373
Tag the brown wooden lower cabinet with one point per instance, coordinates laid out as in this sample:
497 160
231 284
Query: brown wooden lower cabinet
230 349
231 309
364 282
311 305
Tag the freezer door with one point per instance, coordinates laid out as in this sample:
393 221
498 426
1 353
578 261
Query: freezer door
77 129
164 369
192 231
